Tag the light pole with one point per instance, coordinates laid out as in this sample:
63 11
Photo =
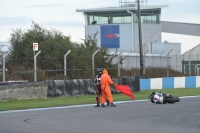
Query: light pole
140 40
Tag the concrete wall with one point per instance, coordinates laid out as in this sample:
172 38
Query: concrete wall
23 91
170 83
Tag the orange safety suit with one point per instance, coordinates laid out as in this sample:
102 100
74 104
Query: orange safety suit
105 87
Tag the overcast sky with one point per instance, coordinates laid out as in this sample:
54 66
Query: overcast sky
61 15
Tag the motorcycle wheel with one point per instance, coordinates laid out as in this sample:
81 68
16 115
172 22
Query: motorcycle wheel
151 99
173 100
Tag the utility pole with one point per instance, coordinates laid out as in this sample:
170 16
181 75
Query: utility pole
140 40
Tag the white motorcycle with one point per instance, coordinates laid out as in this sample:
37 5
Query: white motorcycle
162 98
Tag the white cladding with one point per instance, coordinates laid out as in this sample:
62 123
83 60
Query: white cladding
150 33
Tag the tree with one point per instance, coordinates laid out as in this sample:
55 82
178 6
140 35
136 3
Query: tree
54 46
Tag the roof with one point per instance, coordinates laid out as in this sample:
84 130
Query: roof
132 54
194 51
125 8
181 28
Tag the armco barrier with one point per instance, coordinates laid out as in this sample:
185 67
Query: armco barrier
170 83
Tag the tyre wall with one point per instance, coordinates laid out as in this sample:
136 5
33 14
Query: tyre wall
79 87
57 88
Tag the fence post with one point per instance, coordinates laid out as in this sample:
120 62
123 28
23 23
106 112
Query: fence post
65 63
153 57
4 67
160 58
190 62
176 59
93 61
35 68
127 59
183 65
168 62
119 63
198 56
136 59
144 62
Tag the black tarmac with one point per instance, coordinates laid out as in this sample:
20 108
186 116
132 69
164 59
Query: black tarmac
130 117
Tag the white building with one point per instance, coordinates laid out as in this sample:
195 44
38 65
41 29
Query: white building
117 28
191 61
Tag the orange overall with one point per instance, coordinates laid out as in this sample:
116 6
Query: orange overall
105 87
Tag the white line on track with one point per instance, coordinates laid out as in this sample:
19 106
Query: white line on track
75 106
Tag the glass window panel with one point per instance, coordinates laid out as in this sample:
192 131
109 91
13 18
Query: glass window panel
148 19
117 19
127 19
135 18
153 19
143 19
90 19
104 20
96 20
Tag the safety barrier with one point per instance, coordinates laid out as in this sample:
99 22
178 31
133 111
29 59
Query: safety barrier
77 87
170 83
56 88
22 90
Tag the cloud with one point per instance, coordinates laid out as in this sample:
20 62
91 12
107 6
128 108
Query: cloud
178 1
64 24
43 6
8 21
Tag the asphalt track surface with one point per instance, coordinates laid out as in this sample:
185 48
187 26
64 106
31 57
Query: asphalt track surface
127 117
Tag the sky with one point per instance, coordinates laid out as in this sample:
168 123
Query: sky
62 15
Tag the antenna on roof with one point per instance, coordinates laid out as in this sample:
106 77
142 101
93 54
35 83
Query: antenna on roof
126 3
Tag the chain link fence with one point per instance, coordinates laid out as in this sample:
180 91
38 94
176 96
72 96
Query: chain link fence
77 67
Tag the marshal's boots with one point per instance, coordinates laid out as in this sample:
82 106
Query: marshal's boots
98 105
108 103
112 105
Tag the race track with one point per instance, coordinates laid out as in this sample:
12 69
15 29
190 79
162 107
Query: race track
130 117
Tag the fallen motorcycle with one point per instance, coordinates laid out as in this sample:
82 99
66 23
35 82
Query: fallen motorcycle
162 98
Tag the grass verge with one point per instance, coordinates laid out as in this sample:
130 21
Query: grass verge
78 100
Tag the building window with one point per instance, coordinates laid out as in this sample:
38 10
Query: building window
108 19
122 18
98 19
147 16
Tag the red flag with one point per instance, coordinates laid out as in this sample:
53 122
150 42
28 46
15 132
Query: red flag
125 89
